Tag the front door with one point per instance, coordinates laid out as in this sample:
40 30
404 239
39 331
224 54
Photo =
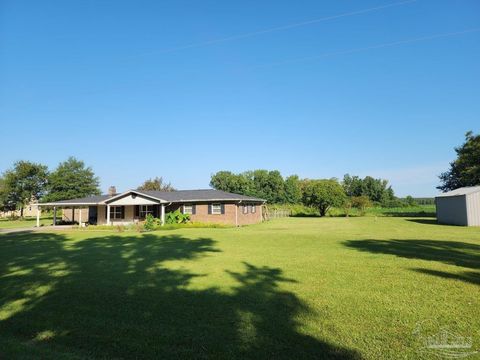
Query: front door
92 215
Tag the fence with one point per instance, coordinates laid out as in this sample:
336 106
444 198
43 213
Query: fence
277 213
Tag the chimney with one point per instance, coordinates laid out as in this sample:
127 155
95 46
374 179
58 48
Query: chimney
112 190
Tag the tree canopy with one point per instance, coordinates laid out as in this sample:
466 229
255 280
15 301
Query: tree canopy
323 194
25 182
376 190
70 180
268 185
156 184
465 169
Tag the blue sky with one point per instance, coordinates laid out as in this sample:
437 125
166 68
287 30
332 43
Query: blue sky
182 89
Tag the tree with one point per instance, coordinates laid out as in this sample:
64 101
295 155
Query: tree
323 194
269 185
376 190
230 182
156 184
70 180
293 192
410 201
25 182
465 170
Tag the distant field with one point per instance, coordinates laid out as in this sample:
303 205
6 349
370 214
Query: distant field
420 210
292 288
409 211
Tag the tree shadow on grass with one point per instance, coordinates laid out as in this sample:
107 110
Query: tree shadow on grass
472 277
117 297
448 252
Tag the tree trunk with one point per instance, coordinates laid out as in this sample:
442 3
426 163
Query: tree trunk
322 211
21 212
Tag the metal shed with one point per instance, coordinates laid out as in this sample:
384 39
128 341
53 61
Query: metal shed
459 207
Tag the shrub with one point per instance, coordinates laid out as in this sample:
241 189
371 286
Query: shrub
150 223
176 217
361 203
347 207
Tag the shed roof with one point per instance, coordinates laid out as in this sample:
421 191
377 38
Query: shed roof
461 191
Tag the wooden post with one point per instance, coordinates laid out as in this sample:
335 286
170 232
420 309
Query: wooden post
38 216
54 216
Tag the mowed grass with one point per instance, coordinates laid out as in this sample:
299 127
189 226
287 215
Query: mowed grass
27 222
345 288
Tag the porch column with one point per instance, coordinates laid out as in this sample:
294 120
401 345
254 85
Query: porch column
54 216
108 214
38 216
73 214
163 214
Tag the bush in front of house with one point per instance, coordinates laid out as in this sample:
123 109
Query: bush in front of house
150 223
176 217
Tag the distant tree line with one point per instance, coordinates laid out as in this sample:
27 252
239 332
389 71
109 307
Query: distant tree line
322 194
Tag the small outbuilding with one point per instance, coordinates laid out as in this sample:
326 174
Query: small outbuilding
459 207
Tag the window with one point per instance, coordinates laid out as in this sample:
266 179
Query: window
116 212
145 210
188 209
216 209
254 209
245 209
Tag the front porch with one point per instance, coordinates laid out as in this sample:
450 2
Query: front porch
118 210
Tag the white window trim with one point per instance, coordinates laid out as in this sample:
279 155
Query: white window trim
143 211
245 209
115 212
254 208
219 212
185 209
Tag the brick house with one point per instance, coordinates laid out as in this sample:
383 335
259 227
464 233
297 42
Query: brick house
212 206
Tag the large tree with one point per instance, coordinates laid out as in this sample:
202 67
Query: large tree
293 191
70 180
465 170
376 190
323 194
230 182
24 183
156 184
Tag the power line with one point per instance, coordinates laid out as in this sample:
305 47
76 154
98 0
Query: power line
372 47
280 28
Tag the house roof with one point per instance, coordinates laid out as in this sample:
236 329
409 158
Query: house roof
461 191
198 195
162 196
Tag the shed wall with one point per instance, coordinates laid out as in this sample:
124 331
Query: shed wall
452 210
473 209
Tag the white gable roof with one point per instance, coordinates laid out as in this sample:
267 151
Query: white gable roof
461 191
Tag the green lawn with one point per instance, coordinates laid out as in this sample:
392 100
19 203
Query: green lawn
345 288
24 223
